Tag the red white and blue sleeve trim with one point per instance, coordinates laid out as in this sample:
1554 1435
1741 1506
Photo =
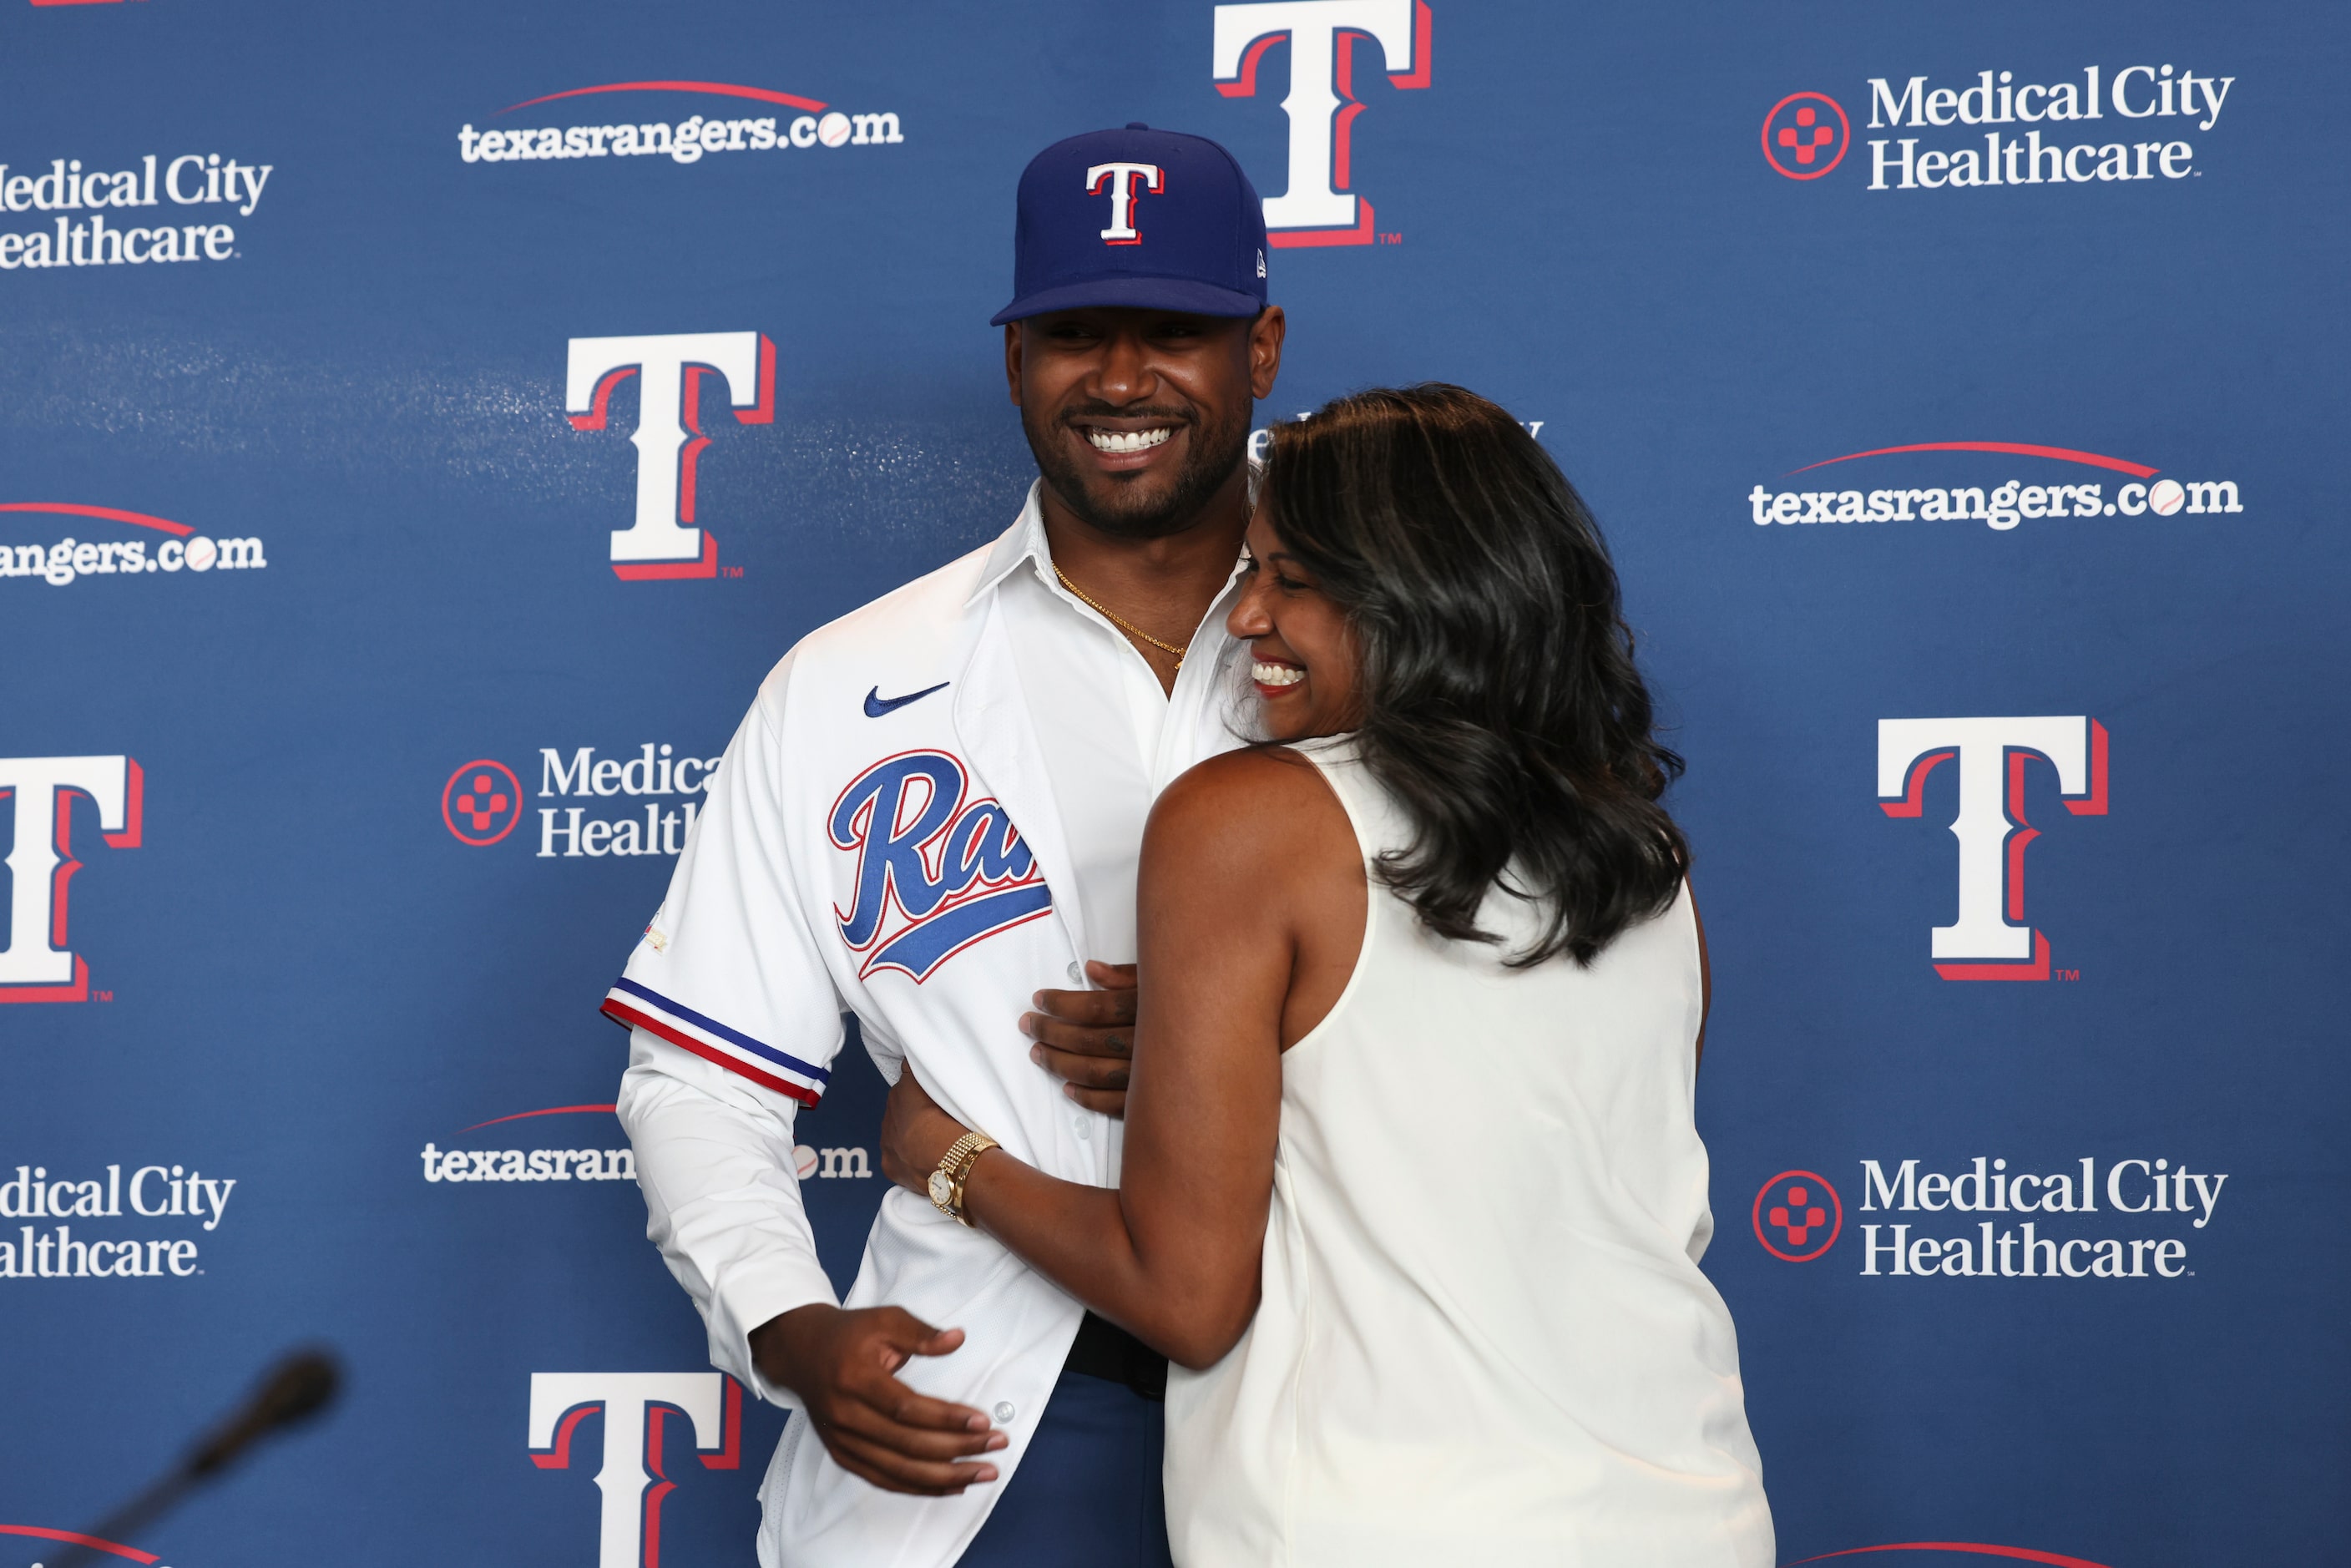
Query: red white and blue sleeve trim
641 1007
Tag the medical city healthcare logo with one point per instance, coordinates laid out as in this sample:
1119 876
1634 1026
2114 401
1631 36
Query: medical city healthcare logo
2101 124
481 802
1988 941
65 188
37 966
35 1250
1798 1217
485 800
1321 205
1805 135
69 560
2001 505
769 126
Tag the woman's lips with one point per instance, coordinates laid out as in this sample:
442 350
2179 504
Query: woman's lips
1274 679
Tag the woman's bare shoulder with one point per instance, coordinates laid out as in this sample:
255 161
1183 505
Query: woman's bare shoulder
1266 805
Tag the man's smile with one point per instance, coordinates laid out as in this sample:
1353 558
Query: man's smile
1128 440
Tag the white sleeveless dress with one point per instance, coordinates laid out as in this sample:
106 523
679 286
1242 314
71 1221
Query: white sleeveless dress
1484 1338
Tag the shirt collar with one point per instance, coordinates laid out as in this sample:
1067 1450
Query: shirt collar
1025 542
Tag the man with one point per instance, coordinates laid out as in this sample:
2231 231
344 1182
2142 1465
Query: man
930 819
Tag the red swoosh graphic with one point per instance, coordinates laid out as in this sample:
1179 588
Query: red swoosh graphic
139 519
551 1110
1976 1548
77 1539
765 95
2018 448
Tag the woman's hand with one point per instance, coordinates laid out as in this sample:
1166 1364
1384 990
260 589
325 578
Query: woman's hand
915 1134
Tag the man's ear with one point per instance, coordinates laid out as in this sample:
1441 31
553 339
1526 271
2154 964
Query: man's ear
1012 361
1265 334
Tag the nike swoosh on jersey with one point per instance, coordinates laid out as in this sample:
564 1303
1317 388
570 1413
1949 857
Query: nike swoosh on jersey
876 705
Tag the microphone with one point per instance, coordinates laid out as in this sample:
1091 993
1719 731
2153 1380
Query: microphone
297 1388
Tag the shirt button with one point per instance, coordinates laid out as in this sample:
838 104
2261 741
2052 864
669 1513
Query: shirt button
1077 974
1082 1125
1004 1412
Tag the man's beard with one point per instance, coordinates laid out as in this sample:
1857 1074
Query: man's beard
1126 511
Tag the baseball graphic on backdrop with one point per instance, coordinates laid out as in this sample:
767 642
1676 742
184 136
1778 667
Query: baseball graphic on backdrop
2165 497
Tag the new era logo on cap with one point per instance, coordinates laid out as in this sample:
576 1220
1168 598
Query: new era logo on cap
1140 218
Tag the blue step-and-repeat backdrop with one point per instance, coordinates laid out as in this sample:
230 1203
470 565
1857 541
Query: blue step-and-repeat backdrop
420 425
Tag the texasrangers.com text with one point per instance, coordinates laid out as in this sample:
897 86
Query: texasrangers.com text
684 143
2001 508
70 559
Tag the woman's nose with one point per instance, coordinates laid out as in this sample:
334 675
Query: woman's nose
1248 618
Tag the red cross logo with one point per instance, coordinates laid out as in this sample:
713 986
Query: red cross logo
482 801
1799 138
1798 1215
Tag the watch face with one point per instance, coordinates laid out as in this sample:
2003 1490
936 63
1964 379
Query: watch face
942 1190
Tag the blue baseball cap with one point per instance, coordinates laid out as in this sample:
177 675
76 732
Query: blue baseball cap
1137 217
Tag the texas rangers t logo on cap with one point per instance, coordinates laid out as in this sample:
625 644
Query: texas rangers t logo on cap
1121 178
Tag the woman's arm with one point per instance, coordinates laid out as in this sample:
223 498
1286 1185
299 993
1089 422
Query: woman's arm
1251 900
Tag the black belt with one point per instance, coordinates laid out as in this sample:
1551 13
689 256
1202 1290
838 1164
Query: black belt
1106 1351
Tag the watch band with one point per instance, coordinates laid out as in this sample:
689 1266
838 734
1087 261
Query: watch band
980 1143
954 1167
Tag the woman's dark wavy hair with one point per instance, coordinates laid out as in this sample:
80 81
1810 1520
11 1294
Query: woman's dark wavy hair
1502 706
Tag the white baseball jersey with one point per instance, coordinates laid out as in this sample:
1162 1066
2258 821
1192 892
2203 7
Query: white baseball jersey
887 837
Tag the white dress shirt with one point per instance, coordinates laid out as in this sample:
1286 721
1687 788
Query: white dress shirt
1044 712
1113 737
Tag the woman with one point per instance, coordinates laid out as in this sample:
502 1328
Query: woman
1411 1183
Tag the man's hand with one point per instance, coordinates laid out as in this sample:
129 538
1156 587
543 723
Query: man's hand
1087 1036
843 1365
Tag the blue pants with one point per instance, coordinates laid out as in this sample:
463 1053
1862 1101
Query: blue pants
1087 1494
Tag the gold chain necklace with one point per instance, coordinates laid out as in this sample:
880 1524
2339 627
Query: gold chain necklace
1125 625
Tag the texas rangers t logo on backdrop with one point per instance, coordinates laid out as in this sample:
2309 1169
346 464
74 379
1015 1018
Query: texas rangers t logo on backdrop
1121 179
37 966
1320 207
934 874
1984 943
634 1405
669 409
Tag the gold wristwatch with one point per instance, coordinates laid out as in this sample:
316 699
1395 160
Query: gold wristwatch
945 1185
